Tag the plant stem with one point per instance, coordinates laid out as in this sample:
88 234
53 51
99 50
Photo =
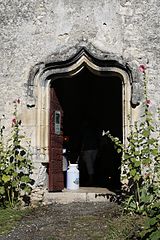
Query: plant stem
138 195
9 197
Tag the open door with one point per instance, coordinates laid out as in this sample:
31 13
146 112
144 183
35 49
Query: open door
56 179
97 101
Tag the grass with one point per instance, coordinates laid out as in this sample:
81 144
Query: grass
124 227
116 226
9 218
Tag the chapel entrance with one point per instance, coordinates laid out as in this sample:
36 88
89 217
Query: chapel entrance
97 100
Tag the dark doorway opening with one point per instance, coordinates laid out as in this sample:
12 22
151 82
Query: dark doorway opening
97 100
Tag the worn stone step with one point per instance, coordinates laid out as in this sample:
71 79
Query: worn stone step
83 194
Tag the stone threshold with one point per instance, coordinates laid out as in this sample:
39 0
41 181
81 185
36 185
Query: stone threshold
83 194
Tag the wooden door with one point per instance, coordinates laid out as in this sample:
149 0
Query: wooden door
56 179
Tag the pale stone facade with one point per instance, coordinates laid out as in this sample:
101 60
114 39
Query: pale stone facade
34 33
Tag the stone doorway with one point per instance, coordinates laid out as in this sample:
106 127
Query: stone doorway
78 72
96 99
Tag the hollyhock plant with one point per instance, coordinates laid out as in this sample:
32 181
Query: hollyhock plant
140 159
142 68
147 102
14 121
17 101
16 165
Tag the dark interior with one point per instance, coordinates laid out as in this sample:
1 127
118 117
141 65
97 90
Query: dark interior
95 99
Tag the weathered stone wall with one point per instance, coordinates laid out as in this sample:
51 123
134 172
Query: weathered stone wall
39 30
141 35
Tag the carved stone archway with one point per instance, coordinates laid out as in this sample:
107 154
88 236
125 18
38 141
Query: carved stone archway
42 75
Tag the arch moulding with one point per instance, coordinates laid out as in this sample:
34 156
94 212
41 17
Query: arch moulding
39 89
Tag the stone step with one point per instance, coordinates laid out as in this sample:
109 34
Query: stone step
83 194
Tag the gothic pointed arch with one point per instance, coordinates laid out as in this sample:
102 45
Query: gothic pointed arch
44 73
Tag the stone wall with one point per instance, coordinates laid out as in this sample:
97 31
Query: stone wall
38 31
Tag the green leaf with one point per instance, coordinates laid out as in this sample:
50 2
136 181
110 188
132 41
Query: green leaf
6 178
27 189
137 163
146 199
146 161
146 133
15 183
133 159
155 235
144 233
137 153
126 156
14 174
25 179
133 172
119 150
137 177
154 152
152 221
10 168
2 190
